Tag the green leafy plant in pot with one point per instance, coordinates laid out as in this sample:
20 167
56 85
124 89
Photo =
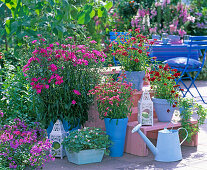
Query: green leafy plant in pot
86 145
166 91
131 50
62 75
188 107
113 100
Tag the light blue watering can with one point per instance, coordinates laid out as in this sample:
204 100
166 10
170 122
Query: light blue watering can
168 144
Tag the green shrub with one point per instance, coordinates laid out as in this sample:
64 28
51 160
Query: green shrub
16 97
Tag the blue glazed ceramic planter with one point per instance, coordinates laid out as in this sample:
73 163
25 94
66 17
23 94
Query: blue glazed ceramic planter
116 129
85 156
66 126
161 108
135 77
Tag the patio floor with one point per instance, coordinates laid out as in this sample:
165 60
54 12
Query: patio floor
194 158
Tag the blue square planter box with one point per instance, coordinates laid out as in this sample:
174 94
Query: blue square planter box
85 156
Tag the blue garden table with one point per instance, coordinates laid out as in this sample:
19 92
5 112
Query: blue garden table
167 51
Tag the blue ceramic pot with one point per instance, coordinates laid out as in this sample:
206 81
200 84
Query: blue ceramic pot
163 109
66 127
135 77
85 156
116 129
114 35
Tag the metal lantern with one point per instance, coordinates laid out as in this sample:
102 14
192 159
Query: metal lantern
145 109
57 136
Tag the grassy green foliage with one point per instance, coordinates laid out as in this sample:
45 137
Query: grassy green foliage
188 107
16 97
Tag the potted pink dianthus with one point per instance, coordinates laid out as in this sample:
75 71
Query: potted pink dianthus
113 100
62 74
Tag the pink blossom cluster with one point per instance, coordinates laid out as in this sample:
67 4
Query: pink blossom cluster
113 97
76 92
53 67
18 137
153 30
58 79
38 86
40 149
184 13
1 114
45 68
179 17
165 2
26 67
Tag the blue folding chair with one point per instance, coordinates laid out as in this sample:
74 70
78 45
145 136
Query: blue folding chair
186 65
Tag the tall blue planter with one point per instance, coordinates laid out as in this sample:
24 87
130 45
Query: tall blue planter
116 129
66 126
135 77
163 109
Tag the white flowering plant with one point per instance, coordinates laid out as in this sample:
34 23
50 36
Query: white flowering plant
86 138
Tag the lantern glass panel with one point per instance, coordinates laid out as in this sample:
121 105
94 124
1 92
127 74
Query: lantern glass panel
56 145
145 115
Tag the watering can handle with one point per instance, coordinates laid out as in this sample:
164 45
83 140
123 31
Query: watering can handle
186 135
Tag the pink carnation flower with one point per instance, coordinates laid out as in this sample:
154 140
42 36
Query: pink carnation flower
77 92
47 86
73 102
59 80
38 91
93 42
34 41
53 67
1 114
181 32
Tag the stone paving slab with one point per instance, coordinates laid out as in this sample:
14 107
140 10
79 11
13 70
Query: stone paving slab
194 158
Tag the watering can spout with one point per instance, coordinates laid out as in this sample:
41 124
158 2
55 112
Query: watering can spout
153 149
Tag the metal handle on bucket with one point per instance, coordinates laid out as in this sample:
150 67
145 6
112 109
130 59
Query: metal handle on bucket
186 135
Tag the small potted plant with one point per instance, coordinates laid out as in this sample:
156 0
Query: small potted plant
86 145
114 105
188 107
166 91
131 49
